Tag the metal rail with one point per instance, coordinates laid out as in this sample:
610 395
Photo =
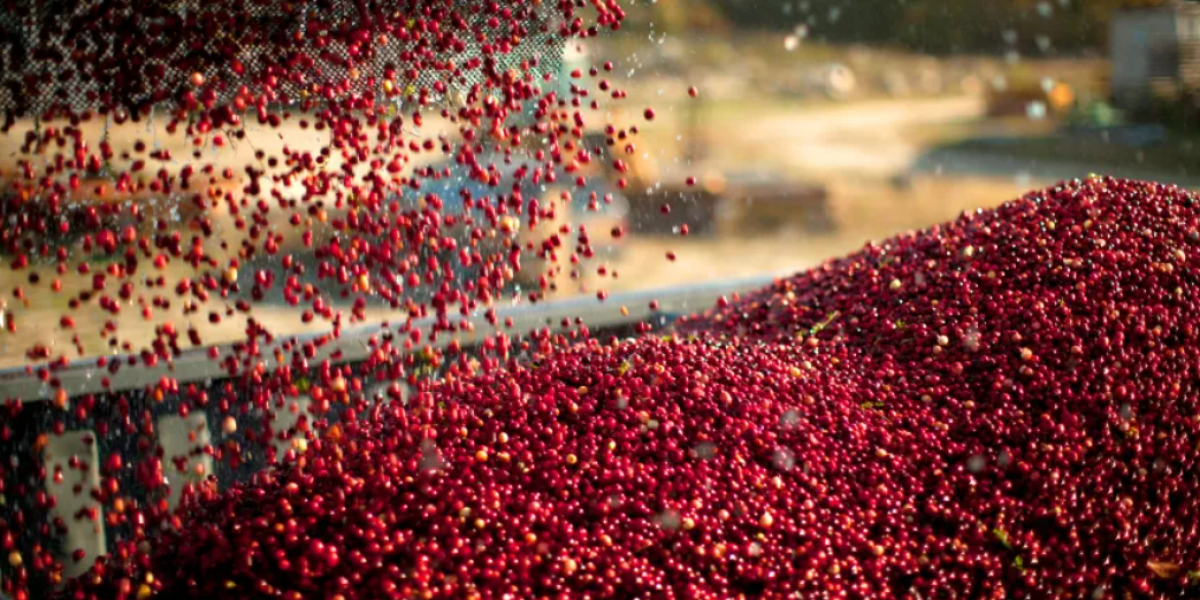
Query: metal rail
82 376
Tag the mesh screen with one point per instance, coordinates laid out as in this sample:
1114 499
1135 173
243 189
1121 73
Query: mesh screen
71 55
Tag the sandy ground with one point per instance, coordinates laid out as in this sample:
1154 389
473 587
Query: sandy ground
862 153
867 210
868 139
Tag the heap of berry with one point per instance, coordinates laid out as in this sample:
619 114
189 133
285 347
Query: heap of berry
645 469
1054 340
1005 406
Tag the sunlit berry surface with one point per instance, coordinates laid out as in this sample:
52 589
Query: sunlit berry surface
1003 406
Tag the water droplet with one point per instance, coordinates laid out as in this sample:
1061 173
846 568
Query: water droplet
976 463
790 418
1036 110
971 339
669 520
784 459
431 458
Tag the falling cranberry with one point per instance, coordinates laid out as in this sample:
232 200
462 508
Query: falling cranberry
193 251
1002 406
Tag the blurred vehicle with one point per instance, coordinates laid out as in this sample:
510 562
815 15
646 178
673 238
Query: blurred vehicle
479 217
757 202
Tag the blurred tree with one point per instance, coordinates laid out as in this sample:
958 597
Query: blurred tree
677 16
1030 27
952 27
865 20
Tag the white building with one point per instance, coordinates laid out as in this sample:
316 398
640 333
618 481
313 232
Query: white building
1154 49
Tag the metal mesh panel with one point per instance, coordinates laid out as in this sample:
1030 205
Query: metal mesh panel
91 54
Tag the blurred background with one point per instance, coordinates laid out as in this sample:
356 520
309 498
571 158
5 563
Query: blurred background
785 133
815 126
821 124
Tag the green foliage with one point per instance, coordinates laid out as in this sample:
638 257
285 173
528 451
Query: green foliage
936 26
1002 537
1177 112
1095 114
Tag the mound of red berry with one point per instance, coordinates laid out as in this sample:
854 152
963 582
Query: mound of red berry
675 469
1001 407
1055 338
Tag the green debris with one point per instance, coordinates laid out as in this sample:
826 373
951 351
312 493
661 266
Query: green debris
825 323
1002 536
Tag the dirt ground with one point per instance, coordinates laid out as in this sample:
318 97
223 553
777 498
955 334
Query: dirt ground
867 210
860 152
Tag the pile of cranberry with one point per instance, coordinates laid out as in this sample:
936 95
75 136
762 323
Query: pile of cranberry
1005 406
